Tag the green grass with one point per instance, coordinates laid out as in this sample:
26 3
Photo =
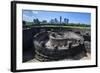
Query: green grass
28 23
82 26
53 26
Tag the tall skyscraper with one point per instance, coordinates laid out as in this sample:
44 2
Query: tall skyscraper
52 21
66 20
56 21
60 19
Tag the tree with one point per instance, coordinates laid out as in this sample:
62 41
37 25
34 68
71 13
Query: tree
24 23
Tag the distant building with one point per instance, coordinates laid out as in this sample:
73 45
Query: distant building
52 21
44 22
66 20
56 21
60 19
36 21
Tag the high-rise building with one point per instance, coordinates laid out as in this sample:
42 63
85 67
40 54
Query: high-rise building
66 20
52 21
36 21
55 20
44 22
60 19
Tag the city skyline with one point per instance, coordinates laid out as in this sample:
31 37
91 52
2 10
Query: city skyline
74 17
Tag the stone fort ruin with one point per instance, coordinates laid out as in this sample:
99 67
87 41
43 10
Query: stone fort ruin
51 46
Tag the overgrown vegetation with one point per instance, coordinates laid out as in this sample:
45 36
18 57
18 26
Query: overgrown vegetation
70 25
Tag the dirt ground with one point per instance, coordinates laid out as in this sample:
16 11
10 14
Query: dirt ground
84 58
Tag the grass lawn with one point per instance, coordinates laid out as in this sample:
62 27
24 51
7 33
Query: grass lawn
54 26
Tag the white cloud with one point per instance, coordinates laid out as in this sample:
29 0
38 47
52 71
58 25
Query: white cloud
35 12
27 18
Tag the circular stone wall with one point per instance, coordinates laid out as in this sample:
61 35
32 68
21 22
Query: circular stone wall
50 46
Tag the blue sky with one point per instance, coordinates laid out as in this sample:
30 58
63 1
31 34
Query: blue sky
74 17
